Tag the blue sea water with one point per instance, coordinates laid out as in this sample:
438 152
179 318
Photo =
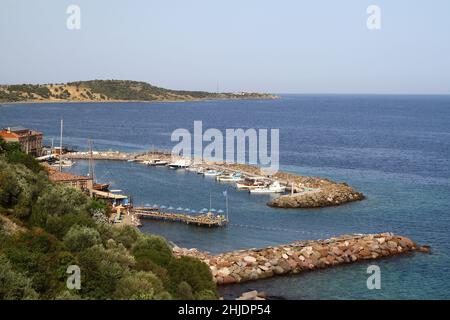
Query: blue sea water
395 149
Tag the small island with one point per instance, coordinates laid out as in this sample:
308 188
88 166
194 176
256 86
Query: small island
111 91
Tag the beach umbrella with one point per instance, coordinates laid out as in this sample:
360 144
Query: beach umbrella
170 208
213 210
193 210
220 211
179 208
155 206
162 207
187 209
147 205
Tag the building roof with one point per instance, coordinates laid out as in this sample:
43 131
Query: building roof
7 134
58 176
17 128
16 132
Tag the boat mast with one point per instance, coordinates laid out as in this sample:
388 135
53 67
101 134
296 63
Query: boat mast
91 161
226 204
210 201
60 145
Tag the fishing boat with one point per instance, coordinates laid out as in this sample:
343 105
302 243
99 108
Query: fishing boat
212 173
275 187
180 164
233 177
251 183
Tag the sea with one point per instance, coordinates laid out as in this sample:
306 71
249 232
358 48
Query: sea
393 148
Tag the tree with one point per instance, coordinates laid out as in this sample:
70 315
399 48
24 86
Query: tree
193 271
14 285
139 286
184 291
79 238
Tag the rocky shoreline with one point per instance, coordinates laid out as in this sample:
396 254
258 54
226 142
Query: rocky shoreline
253 264
330 195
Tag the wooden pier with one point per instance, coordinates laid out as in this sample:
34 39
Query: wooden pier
204 220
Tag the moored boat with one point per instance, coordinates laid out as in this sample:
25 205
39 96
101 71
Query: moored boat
158 162
234 177
180 164
252 183
212 173
275 187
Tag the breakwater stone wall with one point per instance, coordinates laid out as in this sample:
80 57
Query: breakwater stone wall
253 264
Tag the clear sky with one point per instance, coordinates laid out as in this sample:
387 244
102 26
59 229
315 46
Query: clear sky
283 46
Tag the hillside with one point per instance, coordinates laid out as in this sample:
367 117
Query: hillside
45 228
109 90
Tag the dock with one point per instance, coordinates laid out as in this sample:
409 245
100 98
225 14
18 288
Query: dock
203 220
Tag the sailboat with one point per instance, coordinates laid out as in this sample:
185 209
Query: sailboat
95 186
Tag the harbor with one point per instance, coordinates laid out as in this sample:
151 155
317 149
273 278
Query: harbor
295 191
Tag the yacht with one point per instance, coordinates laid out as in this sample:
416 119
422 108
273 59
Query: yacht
273 188
180 164
158 162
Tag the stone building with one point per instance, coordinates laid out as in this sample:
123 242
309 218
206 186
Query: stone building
30 140
83 183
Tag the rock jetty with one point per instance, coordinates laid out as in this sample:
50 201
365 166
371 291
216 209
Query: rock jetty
253 264
327 193
332 194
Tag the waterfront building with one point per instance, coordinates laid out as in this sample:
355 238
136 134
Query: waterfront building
84 183
30 140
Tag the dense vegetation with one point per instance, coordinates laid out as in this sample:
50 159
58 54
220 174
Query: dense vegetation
104 90
46 227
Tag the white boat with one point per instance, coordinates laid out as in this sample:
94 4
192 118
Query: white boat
234 177
273 188
158 162
64 163
180 164
212 173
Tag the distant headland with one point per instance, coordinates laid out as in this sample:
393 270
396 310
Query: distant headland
111 91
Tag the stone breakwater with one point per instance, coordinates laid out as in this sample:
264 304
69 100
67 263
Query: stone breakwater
332 194
253 264
329 193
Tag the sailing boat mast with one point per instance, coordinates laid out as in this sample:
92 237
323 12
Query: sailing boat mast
91 162
226 204
210 201
60 145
